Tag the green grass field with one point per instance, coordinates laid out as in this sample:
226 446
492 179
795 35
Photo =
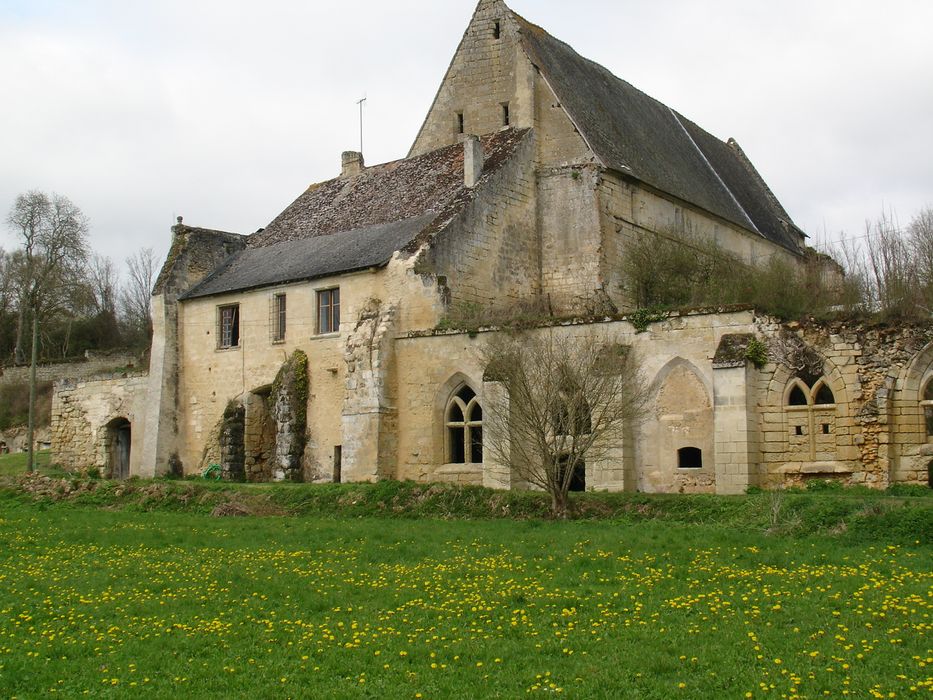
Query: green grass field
15 463
123 603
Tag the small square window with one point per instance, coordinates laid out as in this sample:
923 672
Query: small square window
328 311
228 326
278 318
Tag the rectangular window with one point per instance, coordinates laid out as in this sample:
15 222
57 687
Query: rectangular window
496 30
278 318
506 118
460 126
228 326
328 311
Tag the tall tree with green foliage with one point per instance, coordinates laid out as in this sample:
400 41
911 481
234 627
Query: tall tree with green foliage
52 232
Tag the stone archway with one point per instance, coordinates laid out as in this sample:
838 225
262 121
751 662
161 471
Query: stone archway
117 443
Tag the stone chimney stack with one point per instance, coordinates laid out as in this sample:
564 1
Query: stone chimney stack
352 162
472 160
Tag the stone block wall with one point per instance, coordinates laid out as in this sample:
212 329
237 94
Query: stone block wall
628 209
81 413
486 72
875 433
490 253
94 364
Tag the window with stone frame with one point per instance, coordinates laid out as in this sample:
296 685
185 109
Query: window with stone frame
328 311
463 420
228 326
811 419
926 406
278 320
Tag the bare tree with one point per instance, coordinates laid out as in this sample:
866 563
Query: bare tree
136 293
53 233
920 237
890 264
566 401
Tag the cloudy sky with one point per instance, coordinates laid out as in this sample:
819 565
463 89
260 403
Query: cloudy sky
225 110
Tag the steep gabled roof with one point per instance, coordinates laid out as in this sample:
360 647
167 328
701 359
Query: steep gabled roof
636 135
357 222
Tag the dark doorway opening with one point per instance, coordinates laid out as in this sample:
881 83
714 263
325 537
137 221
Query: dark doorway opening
577 479
120 434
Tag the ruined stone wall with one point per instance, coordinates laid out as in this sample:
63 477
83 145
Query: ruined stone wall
483 75
875 433
81 411
95 364
489 254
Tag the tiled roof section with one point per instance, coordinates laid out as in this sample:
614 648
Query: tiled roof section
636 135
394 191
310 258
358 222
748 187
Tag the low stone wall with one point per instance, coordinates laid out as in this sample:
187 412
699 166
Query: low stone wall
82 412
92 366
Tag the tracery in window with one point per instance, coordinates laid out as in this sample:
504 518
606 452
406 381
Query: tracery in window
811 419
464 422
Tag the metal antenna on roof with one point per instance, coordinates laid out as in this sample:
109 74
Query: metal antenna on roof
360 103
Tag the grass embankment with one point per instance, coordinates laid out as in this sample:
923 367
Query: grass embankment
900 515
177 604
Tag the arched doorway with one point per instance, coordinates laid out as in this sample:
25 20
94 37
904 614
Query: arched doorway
119 438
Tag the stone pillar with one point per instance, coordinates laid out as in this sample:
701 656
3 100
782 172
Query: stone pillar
735 427
369 420
160 418
497 472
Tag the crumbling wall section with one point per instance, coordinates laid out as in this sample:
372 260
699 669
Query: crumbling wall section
232 447
875 434
288 410
370 423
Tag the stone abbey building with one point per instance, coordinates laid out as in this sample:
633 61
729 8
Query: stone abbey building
310 349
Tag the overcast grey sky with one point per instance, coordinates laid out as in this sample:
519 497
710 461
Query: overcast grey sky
225 110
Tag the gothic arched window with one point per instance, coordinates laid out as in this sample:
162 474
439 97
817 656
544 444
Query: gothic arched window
464 421
811 418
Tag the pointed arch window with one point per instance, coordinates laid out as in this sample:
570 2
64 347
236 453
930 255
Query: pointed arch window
464 422
926 405
811 419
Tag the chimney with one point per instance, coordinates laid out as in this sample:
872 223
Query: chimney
352 162
472 160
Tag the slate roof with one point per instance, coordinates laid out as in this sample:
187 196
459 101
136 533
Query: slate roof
357 222
636 135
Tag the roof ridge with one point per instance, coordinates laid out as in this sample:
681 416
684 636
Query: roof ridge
677 118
